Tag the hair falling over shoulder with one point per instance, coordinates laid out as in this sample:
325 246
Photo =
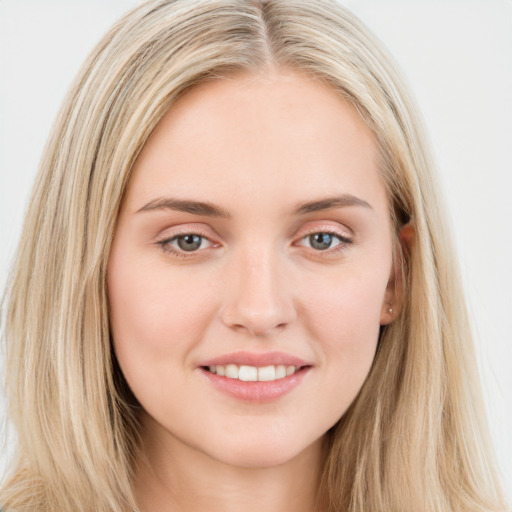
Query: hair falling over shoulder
74 416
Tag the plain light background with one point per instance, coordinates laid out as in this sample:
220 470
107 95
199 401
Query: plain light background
457 55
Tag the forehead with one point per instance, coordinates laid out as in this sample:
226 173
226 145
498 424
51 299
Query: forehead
254 136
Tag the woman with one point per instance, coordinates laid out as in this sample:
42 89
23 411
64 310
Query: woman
234 288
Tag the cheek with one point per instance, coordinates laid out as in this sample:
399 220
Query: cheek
156 316
348 310
345 321
347 342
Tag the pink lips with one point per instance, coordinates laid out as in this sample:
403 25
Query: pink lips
260 391
256 359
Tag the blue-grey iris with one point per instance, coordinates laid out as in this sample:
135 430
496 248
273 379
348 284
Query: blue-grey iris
321 241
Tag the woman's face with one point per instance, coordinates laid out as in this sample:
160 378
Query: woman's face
254 242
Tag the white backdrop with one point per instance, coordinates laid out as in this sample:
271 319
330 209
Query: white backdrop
457 55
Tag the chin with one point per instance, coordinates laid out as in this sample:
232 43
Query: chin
265 454
254 459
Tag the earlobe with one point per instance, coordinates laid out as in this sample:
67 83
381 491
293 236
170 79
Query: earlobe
392 302
390 308
394 296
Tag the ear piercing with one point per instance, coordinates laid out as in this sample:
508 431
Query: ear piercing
390 310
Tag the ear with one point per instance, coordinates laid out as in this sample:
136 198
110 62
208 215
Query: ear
394 296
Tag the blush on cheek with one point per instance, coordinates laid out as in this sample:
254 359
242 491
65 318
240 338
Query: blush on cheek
346 322
348 306
156 321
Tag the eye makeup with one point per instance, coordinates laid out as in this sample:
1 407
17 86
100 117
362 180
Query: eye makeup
188 243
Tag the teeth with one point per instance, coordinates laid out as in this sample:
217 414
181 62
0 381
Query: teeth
267 373
248 373
280 371
252 373
231 371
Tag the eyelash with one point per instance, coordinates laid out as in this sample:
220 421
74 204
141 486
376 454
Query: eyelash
344 242
169 249
165 246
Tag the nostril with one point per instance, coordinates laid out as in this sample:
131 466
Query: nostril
258 318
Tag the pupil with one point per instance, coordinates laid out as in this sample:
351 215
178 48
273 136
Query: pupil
189 242
320 241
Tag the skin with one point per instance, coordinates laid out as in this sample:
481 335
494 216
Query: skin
255 146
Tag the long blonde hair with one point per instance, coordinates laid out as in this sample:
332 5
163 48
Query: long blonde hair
415 439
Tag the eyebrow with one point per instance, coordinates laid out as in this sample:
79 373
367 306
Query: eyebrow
210 210
187 206
330 203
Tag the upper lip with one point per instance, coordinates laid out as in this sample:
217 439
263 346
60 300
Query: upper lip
258 359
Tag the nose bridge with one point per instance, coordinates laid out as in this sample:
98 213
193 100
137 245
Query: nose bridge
260 297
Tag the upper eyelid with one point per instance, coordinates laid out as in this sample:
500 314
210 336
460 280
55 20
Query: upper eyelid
182 231
326 228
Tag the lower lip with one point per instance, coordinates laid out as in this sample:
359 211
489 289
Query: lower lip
256 392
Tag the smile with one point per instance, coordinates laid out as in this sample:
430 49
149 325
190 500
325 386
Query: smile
255 377
248 373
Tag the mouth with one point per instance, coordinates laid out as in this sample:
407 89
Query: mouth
247 373
255 378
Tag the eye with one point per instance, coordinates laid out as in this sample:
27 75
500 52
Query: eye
188 242
321 241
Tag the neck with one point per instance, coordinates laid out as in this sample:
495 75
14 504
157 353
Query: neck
172 476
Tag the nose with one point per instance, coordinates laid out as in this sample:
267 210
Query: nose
259 295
